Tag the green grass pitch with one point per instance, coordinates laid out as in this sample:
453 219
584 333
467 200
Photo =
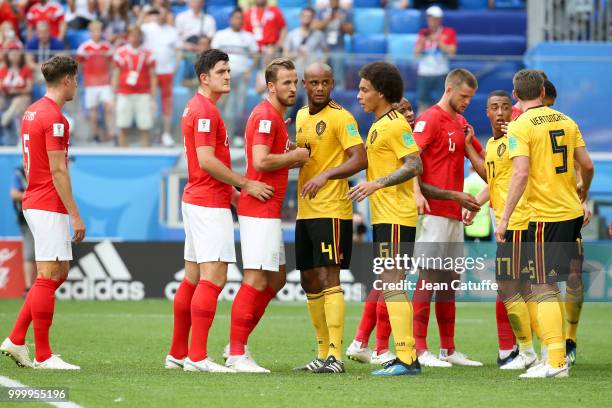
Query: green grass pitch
121 347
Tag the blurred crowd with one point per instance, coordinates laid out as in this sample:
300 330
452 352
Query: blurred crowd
133 53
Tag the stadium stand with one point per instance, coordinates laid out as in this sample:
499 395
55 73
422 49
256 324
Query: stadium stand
404 21
292 17
369 20
221 15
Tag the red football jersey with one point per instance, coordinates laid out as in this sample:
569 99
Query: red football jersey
265 24
265 127
134 65
202 126
96 59
43 128
52 13
516 111
441 139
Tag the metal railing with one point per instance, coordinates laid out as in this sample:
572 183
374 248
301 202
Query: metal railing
577 20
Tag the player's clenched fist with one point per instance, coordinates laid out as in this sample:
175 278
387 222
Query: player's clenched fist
300 156
259 190
78 227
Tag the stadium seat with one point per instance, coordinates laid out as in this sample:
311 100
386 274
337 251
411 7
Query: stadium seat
411 96
369 44
369 20
366 3
221 3
491 75
76 38
404 21
345 98
408 70
473 4
401 46
487 22
178 8
475 115
292 17
221 15
491 45
291 3
352 67
510 4
180 97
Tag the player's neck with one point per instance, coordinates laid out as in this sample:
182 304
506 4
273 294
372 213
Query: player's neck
205 91
497 135
382 110
446 107
282 109
531 104
56 97
314 109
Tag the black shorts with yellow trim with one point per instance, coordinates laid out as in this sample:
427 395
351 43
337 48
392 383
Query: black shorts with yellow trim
393 239
511 259
557 250
323 242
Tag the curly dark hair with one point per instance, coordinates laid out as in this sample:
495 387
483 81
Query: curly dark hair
385 78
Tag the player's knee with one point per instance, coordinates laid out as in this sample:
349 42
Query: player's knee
256 279
310 282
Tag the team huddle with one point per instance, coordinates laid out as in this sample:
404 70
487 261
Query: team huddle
538 175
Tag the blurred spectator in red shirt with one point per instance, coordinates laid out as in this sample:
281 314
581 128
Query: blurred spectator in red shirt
162 39
16 91
434 45
95 56
135 83
49 11
267 25
10 12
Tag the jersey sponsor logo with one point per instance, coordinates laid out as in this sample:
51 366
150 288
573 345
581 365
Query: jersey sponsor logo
203 125
265 126
408 139
420 126
512 143
373 136
352 129
58 130
320 128
101 275
501 149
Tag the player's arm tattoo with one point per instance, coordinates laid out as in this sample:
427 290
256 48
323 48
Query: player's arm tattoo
436 193
413 166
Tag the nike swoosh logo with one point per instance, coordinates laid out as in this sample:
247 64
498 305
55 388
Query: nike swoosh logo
451 133
553 375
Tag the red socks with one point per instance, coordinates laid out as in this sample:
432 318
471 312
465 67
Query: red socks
263 299
505 336
421 305
368 318
383 327
22 324
203 308
445 315
243 316
42 306
182 319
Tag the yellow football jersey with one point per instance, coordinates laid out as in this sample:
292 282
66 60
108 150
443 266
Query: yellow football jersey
326 134
548 138
389 140
499 170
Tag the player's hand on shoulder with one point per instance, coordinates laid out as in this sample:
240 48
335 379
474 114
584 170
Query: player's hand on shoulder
363 190
467 201
259 190
78 228
312 186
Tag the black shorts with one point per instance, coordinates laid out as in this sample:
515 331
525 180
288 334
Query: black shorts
557 249
511 259
323 242
393 239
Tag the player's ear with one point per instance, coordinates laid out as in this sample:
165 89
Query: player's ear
514 95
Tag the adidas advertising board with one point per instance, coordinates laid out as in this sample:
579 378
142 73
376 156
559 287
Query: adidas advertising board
136 270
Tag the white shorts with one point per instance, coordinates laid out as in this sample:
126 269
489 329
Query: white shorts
262 243
51 231
209 234
94 95
134 106
439 237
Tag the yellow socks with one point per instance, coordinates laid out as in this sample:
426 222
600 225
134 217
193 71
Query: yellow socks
400 317
573 307
518 314
532 306
334 316
316 309
551 323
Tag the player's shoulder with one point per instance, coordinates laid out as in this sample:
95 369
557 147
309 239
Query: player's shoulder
337 111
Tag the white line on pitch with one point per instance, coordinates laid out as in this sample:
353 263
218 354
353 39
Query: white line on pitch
7 382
